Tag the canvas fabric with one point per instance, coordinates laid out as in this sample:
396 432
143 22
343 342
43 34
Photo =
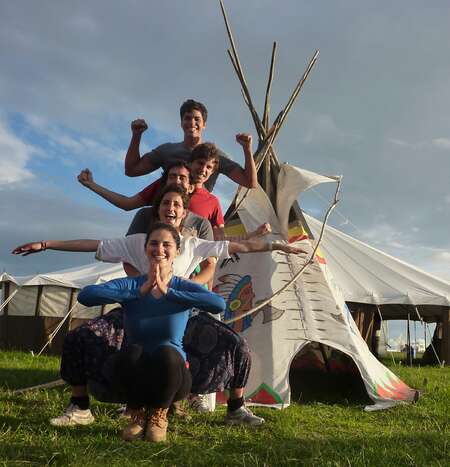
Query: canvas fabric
311 310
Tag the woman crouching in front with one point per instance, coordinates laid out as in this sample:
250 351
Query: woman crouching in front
151 371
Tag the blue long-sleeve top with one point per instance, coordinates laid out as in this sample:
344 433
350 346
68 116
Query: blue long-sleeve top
149 321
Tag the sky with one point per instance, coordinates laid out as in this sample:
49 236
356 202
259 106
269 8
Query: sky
375 110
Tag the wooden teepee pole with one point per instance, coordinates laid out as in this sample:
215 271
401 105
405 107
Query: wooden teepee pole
265 120
267 185
237 66
299 86
271 169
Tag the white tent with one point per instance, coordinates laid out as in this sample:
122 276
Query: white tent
367 275
33 306
77 277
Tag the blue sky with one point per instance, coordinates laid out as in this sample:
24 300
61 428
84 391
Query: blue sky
375 110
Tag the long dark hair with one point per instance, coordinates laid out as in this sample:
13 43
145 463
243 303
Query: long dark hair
170 189
169 228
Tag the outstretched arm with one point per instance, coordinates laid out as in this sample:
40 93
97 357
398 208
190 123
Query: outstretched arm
62 245
135 165
254 246
126 203
246 176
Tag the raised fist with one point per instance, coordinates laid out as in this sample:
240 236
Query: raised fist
85 177
138 126
244 139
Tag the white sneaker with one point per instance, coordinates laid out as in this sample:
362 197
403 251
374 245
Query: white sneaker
243 416
72 416
200 403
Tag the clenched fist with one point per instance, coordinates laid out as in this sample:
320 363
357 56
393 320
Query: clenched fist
138 126
85 177
245 140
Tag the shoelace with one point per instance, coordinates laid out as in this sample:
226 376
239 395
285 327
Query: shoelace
157 417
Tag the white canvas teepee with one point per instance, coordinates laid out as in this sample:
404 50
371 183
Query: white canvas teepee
312 309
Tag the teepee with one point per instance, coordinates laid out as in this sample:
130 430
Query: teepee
282 304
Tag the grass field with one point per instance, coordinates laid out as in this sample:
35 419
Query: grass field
316 433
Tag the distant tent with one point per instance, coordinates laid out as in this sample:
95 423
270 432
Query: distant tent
36 305
378 286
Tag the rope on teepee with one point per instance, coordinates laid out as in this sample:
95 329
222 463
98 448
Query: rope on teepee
302 269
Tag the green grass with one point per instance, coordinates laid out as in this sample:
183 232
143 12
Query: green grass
317 433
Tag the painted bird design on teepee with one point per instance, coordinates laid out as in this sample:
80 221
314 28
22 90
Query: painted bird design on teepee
238 292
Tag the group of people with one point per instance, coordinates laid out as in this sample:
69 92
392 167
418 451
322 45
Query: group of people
153 351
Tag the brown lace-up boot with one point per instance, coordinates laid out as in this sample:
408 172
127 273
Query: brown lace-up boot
178 409
157 423
135 429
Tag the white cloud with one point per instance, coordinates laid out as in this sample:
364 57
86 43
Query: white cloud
323 129
80 146
385 235
14 155
442 256
443 143
400 142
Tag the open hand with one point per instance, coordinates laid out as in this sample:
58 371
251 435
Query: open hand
85 177
138 126
29 248
263 229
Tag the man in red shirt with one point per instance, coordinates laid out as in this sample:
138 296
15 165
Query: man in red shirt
204 163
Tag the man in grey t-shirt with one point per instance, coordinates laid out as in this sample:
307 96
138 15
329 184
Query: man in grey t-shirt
197 225
193 121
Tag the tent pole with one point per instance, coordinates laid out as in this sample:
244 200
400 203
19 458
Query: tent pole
415 336
408 348
431 337
51 384
386 338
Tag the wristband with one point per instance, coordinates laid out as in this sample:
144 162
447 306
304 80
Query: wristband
43 246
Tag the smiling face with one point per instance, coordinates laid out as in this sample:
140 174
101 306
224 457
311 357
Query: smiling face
192 124
202 169
171 210
161 248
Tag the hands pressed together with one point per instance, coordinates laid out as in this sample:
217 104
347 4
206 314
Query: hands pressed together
154 282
